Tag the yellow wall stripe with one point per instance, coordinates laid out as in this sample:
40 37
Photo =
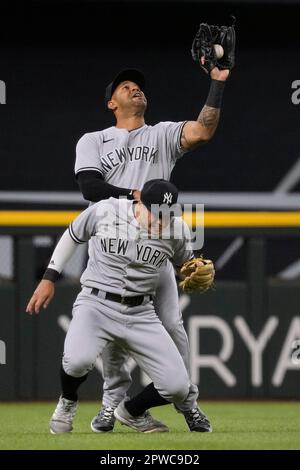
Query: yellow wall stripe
245 219
37 218
211 219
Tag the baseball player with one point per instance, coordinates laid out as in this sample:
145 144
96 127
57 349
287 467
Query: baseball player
127 250
116 162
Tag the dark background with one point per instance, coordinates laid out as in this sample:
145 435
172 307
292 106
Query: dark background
57 58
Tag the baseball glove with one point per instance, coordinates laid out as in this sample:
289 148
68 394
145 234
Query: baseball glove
203 50
198 275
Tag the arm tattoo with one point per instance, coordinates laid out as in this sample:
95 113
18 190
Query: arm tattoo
209 117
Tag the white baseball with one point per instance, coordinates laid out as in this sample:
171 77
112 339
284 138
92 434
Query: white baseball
219 51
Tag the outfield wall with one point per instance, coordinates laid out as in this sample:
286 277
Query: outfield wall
244 334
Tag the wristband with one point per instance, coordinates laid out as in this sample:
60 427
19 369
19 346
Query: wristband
51 275
214 99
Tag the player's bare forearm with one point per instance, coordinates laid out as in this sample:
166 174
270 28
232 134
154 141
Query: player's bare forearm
198 132
208 119
201 131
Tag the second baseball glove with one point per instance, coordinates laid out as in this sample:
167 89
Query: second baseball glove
199 275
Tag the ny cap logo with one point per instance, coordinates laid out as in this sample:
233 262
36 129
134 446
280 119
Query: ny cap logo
168 198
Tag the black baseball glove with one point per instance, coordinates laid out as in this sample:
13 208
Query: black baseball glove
203 50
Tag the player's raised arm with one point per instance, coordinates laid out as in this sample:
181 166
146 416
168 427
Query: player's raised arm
201 131
218 67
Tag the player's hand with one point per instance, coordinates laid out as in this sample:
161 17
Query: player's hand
137 195
217 74
42 297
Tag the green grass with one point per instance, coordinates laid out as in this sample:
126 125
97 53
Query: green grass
237 425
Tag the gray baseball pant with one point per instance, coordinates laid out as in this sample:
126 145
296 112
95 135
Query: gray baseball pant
97 322
117 378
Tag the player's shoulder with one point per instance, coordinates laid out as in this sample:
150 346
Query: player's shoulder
163 126
94 137
100 207
165 123
180 226
178 221
109 209
113 202
158 125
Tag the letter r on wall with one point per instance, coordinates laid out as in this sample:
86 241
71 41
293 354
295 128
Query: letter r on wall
215 362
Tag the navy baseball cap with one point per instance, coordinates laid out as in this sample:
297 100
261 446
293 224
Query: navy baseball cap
159 191
132 75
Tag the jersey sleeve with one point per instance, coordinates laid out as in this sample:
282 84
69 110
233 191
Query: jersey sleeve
173 131
182 247
83 226
62 253
87 154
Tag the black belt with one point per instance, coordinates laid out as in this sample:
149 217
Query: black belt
130 301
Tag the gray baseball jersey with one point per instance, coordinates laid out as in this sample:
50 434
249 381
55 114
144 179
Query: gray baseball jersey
122 257
131 158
